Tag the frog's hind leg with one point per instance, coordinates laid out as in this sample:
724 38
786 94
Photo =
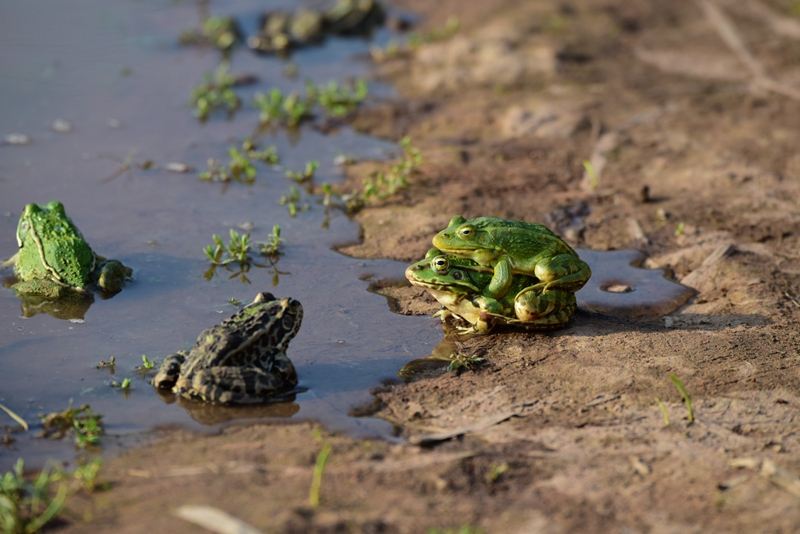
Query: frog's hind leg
550 309
565 272
168 372
236 385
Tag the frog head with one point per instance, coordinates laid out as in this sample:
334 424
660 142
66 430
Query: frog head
443 274
52 248
474 238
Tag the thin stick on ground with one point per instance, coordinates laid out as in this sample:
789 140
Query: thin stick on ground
728 33
13 415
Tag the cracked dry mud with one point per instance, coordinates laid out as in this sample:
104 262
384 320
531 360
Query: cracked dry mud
697 165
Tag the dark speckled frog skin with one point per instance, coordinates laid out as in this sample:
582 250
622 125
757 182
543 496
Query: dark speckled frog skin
241 360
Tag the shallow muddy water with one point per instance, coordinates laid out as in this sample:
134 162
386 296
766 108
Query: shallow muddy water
114 72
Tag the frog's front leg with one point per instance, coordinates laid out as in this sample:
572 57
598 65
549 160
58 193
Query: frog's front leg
501 279
233 385
111 276
553 308
169 371
565 272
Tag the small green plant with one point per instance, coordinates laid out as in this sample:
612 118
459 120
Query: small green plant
687 399
496 472
233 301
680 229
292 201
339 100
237 250
85 424
272 247
464 362
306 175
216 92
240 166
27 506
591 175
86 475
275 108
125 384
381 185
316 478
664 411
219 32
147 364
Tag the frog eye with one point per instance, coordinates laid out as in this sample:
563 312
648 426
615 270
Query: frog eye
466 231
458 275
440 264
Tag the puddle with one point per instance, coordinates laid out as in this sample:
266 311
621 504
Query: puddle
114 73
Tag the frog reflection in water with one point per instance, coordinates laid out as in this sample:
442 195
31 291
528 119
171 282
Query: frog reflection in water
241 360
458 285
55 261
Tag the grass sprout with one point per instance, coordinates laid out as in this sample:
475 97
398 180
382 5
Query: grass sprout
687 399
316 478
272 247
26 506
241 164
340 100
292 202
664 411
219 32
464 362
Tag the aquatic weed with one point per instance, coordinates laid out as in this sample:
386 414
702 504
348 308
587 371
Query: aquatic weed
215 92
292 201
27 506
220 32
240 166
306 175
85 424
340 100
272 247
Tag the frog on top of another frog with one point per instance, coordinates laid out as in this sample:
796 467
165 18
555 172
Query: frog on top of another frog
55 260
507 248
458 284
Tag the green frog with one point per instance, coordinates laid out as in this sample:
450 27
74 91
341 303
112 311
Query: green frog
241 360
507 248
459 285
54 259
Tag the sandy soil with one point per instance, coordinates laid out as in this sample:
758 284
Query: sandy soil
693 142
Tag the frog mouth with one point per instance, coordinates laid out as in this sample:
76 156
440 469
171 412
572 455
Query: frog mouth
453 288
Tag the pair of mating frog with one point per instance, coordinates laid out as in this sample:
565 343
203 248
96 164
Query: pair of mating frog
489 271
242 360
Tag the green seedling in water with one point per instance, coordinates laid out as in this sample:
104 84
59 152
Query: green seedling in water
16 417
216 92
316 478
275 108
147 364
306 175
233 301
292 202
687 399
85 424
27 506
272 247
339 100
219 32
464 362
124 385
241 166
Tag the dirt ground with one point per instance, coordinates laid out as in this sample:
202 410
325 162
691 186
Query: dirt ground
689 113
